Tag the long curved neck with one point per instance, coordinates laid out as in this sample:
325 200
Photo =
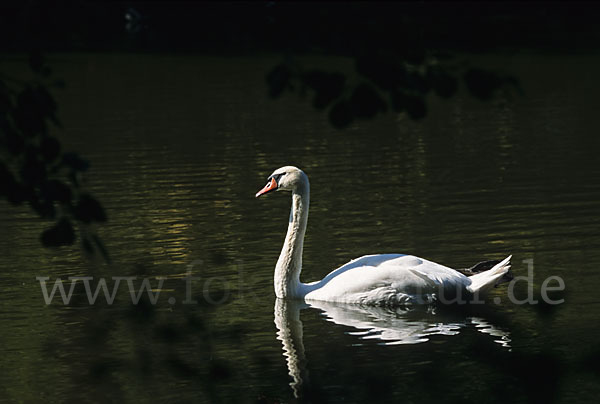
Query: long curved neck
287 272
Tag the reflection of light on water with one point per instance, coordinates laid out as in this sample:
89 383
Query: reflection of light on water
177 228
388 326
289 332
172 231
402 326
485 327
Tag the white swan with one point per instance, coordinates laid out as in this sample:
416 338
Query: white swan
384 279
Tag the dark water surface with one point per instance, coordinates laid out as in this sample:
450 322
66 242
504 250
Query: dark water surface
178 147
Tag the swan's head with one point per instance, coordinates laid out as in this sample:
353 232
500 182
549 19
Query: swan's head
288 178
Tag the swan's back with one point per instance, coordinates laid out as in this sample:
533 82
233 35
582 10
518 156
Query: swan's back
387 279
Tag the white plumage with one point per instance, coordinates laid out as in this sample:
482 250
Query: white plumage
384 279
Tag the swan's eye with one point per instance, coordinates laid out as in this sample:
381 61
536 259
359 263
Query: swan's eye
277 177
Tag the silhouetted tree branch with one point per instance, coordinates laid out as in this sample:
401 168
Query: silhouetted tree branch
33 168
386 80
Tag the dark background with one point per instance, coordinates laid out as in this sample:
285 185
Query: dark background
208 131
329 27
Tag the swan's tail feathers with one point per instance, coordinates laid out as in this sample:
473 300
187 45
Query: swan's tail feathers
484 281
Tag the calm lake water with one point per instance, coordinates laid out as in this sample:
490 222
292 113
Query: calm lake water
178 147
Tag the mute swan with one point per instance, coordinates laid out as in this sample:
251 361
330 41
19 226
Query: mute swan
384 279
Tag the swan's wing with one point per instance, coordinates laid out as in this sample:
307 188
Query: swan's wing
365 261
437 275
386 278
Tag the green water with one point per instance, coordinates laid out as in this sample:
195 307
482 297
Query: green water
178 147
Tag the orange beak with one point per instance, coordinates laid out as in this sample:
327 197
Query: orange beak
271 186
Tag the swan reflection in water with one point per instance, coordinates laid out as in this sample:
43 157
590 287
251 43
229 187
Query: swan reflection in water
388 326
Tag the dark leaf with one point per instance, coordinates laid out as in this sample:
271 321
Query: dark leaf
89 210
482 83
55 190
416 82
327 86
366 102
73 161
50 148
33 170
43 207
60 234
